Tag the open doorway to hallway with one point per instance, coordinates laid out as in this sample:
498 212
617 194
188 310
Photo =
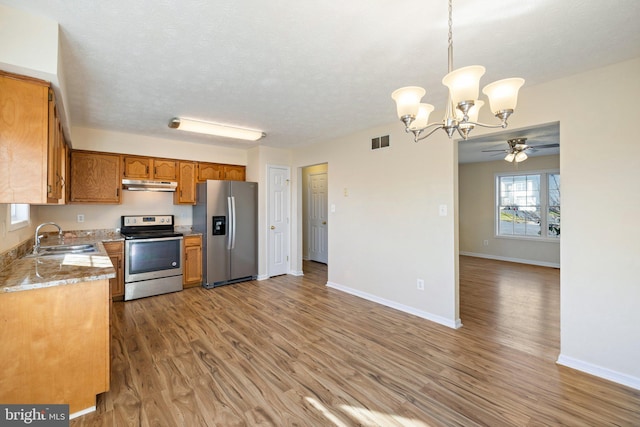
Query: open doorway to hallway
315 222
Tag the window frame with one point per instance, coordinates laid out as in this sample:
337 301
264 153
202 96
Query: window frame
21 212
544 205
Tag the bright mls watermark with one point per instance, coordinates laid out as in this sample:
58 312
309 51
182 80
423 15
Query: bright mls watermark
34 415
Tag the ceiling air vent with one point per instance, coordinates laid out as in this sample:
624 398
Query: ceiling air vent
380 142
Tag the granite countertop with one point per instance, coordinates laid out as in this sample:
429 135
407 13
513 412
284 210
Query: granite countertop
55 270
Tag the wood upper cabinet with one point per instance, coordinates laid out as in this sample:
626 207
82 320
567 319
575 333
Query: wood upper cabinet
186 192
137 167
209 171
192 272
95 177
220 171
115 250
165 169
234 172
31 141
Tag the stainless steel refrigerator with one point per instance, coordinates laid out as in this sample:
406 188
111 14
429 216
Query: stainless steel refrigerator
226 213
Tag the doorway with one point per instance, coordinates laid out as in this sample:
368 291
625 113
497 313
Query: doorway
315 213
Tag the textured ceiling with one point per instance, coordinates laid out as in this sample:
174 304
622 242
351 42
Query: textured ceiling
306 71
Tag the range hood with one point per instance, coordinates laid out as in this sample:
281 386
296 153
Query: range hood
145 185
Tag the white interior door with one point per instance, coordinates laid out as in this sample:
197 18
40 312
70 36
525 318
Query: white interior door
318 217
278 220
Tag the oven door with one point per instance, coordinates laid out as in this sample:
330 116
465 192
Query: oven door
147 259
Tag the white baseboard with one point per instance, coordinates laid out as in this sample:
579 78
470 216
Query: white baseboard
82 412
509 259
296 273
599 371
262 277
401 307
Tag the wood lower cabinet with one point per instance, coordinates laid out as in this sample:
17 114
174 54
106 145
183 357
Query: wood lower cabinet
55 345
115 250
95 177
192 271
186 192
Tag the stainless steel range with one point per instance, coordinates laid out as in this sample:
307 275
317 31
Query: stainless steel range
152 256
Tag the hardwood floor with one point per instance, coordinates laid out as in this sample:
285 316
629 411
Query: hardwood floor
290 351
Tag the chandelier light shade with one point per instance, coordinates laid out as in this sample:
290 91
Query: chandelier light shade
216 129
422 118
503 94
464 84
408 100
463 105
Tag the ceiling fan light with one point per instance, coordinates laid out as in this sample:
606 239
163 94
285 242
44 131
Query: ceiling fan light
510 157
408 100
216 129
422 118
521 157
464 83
503 94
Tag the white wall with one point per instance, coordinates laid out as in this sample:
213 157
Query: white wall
259 158
386 232
600 289
476 199
29 42
128 143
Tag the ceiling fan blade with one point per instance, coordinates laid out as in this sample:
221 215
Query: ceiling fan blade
489 151
545 146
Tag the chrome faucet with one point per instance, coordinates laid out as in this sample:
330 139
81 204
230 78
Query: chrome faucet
38 236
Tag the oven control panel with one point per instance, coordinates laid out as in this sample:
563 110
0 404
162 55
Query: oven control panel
145 220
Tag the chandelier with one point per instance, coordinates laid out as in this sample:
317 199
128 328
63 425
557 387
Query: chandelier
463 106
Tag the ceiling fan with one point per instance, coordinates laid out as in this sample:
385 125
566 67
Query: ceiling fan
517 148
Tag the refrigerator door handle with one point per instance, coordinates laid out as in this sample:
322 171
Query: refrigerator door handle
233 224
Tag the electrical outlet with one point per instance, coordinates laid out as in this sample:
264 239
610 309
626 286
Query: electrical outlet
486 243
80 218
420 284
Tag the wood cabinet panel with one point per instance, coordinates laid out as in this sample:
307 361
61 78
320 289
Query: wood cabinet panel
95 177
136 167
30 141
192 272
220 171
55 345
165 169
209 171
115 250
186 191
234 172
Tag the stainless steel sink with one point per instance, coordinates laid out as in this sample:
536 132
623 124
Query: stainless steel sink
66 249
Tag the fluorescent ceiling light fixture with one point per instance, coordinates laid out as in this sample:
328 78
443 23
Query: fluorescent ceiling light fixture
216 129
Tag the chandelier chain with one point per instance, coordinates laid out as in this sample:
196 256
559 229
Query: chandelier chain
450 39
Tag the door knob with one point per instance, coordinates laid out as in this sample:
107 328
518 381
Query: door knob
324 222
273 227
